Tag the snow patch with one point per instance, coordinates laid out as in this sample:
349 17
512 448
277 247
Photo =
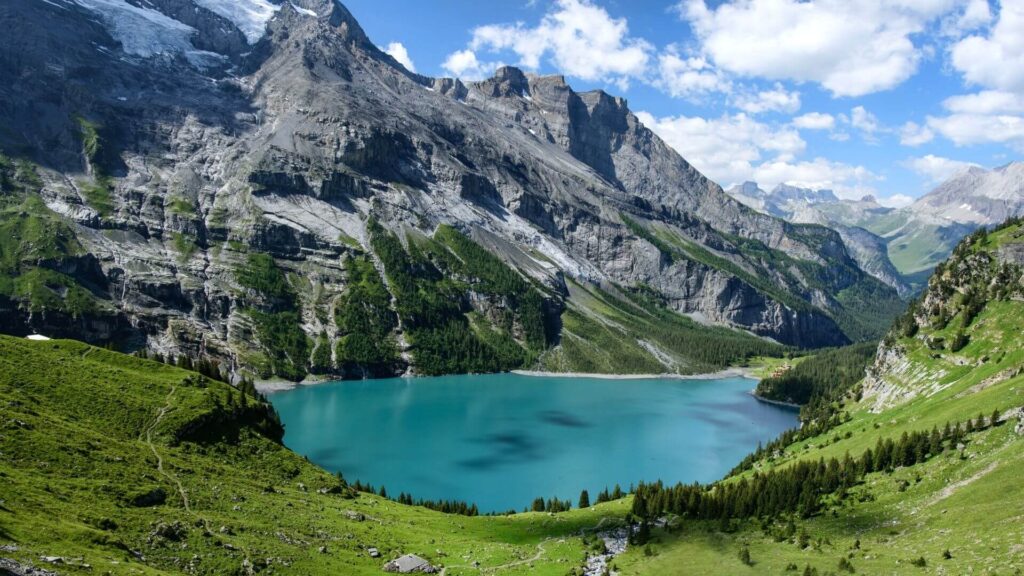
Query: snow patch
146 32
250 16
37 337
305 11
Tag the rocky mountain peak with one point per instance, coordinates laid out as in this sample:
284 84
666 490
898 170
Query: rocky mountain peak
346 23
508 81
179 185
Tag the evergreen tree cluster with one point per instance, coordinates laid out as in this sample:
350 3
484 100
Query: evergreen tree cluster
800 487
823 378
277 319
606 496
444 506
365 321
432 282
553 505
230 412
202 365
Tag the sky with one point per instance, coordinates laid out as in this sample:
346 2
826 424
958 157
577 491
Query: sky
882 97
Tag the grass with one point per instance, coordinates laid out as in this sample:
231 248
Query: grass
963 502
622 331
34 243
184 244
183 206
85 431
98 195
70 468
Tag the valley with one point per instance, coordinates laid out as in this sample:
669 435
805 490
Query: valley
274 302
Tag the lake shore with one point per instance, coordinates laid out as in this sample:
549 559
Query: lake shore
727 373
782 403
277 385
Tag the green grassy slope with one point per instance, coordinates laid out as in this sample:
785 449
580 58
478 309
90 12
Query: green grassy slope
86 432
631 332
966 501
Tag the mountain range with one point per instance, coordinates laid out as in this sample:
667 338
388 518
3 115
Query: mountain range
900 246
259 184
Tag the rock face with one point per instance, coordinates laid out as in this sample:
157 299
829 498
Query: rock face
918 236
807 206
984 270
180 139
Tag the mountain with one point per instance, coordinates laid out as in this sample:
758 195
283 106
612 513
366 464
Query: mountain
823 207
918 236
121 465
936 222
259 184
977 196
909 468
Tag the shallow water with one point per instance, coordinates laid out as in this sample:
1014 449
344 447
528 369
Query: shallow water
501 440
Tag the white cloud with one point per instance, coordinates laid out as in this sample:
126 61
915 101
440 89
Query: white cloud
912 134
397 51
845 180
815 121
464 64
777 99
936 168
851 47
896 201
995 60
966 129
735 148
866 122
580 38
973 14
986 102
725 149
687 76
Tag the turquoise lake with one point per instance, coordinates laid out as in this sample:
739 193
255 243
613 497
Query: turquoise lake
501 440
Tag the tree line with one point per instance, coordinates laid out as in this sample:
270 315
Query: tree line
800 487
432 280
824 377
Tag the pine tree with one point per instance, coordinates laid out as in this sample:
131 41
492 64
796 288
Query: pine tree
617 492
584 500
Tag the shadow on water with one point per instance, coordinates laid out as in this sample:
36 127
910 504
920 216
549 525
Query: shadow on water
506 448
560 418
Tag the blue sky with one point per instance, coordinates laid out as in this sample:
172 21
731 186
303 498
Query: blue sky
886 97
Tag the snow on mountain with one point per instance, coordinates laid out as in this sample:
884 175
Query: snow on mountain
250 16
141 31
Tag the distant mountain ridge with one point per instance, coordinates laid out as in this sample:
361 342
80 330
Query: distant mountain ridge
916 237
823 207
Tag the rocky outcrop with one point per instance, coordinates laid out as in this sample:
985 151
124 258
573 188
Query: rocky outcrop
289 144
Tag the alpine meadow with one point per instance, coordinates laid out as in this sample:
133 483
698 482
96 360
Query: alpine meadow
353 287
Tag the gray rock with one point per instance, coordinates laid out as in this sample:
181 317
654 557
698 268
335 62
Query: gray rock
289 145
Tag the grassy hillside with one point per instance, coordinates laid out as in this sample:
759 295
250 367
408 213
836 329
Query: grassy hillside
124 466
631 332
134 467
957 510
